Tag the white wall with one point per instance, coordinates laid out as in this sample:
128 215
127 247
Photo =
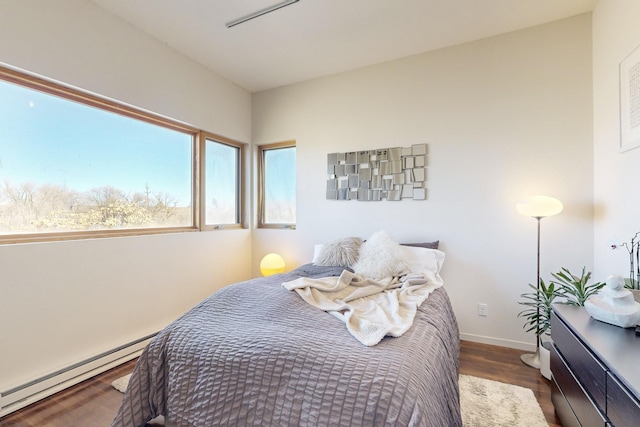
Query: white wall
616 34
505 118
63 302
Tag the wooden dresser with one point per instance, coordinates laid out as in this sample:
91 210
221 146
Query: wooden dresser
595 370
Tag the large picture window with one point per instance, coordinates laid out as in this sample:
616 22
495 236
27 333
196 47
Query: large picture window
277 185
72 164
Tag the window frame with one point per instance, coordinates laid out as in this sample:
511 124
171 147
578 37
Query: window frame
240 182
262 149
198 141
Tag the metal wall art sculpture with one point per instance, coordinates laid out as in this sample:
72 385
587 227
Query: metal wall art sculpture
383 174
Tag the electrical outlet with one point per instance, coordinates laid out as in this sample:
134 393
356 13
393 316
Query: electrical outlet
482 309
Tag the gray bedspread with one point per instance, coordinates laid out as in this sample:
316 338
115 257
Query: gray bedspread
256 354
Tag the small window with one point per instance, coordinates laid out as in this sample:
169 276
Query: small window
223 182
72 164
277 185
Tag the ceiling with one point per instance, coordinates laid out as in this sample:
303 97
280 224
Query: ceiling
313 38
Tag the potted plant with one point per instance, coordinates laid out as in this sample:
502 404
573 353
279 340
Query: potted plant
572 289
537 317
633 248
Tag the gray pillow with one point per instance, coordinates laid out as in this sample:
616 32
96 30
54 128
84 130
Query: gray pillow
428 245
339 253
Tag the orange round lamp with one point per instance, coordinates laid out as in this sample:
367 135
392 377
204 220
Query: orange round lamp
271 264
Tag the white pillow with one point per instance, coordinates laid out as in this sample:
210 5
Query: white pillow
380 257
339 253
316 252
423 260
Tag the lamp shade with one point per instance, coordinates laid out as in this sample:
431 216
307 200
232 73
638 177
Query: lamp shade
271 264
539 206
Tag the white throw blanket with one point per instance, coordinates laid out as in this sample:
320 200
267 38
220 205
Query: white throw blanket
371 309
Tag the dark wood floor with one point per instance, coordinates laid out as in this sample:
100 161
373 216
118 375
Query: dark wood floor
94 402
504 365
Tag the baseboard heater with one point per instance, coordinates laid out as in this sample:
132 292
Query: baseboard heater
25 394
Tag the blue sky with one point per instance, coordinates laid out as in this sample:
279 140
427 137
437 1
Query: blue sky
281 174
46 139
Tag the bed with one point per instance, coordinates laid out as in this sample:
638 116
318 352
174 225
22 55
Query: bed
255 353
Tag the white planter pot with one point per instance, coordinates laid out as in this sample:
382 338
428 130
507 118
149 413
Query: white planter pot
545 362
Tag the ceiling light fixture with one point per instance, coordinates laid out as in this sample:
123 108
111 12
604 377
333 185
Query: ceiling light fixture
260 13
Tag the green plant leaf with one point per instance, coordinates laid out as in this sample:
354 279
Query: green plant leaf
575 289
537 315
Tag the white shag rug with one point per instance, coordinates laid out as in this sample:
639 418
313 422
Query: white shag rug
483 403
121 383
486 403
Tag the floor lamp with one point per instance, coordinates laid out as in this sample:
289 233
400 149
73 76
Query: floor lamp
537 207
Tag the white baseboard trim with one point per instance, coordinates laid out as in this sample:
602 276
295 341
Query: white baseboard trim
499 342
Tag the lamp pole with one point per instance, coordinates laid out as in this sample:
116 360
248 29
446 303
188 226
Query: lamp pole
533 360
